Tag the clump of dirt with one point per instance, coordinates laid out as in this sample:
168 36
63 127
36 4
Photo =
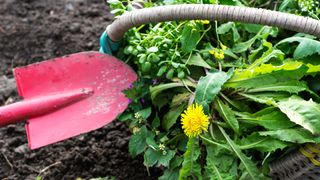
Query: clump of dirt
31 31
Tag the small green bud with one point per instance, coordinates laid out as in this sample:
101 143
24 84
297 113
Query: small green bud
170 74
146 67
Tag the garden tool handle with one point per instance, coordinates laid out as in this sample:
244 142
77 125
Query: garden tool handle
42 105
138 17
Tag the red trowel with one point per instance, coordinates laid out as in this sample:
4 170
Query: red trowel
67 96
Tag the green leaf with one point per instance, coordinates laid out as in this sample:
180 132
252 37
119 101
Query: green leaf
252 28
170 118
151 157
197 60
262 143
268 55
306 47
156 122
287 4
152 49
270 118
165 159
244 46
145 113
260 99
296 135
209 86
220 164
178 99
224 28
266 75
155 90
170 174
190 38
138 143
288 86
227 114
237 104
250 167
190 166
302 112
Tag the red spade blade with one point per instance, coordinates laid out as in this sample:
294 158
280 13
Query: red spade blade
104 74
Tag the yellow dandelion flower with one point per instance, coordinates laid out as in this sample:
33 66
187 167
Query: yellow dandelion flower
217 53
203 21
212 52
223 47
194 121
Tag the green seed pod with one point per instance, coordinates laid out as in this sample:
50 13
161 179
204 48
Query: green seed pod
135 52
181 74
128 50
169 74
153 58
142 58
140 48
162 70
145 67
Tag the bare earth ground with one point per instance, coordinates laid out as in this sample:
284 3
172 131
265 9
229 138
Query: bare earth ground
35 30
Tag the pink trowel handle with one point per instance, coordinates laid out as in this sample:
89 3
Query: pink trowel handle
41 105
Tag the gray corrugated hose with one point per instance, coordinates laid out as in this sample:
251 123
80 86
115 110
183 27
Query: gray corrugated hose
136 18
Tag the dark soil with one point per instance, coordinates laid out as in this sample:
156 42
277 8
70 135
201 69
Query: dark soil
34 30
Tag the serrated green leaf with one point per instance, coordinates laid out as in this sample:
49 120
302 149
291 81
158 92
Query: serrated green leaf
288 86
262 143
170 174
209 86
137 143
237 104
165 159
227 114
306 47
178 99
260 99
266 74
243 46
197 60
190 37
190 166
220 164
155 90
268 55
151 157
302 112
250 167
270 118
297 135
170 118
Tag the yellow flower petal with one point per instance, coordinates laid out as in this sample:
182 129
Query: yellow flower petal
194 121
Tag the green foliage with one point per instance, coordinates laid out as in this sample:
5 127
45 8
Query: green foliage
302 112
209 86
258 86
306 47
190 166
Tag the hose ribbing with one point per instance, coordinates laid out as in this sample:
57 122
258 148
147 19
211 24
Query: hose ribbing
136 18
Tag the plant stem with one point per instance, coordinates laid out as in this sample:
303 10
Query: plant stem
215 143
